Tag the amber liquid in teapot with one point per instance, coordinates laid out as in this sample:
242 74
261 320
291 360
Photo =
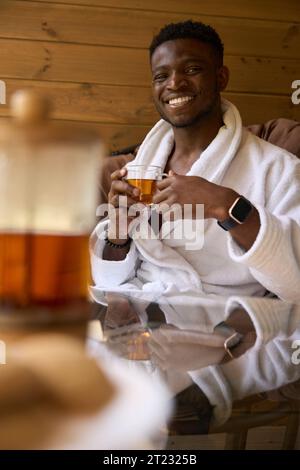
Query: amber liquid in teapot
43 269
48 199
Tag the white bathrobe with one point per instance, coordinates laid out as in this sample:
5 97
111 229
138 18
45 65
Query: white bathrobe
266 175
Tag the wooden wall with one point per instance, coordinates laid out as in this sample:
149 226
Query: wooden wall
91 58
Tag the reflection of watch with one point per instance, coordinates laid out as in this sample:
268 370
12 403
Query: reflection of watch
232 337
238 213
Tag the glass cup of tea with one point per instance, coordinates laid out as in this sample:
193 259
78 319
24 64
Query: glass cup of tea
129 342
145 178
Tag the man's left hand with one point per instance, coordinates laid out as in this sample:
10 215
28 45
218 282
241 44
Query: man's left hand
182 189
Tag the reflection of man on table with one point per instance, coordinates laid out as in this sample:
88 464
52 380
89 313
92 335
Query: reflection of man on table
189 349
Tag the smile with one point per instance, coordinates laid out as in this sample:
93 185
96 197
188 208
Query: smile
180 101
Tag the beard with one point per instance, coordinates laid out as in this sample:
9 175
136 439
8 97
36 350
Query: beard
195 120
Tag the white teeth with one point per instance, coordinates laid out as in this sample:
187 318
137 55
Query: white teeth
180 101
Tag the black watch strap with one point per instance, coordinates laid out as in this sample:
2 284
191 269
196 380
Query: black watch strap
227 224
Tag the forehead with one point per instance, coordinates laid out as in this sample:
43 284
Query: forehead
182 50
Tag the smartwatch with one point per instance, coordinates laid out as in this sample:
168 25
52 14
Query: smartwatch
238 213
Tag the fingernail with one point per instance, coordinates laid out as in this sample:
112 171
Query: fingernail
123 171
136 192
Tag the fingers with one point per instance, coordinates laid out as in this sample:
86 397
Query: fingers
119 200
158 361
118 174
123 187
162 196
158 354
165 183
120 186
177 336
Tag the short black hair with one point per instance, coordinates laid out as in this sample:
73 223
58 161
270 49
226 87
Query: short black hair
189 29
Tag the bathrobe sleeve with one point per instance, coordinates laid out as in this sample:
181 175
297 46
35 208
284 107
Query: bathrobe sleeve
262 368
266 366
109 274
274 258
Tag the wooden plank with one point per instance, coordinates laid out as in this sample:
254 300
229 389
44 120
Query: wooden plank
76 63
261 108
135 28
133 106
254 109
114 66
116 137
98 103
261 75
281 10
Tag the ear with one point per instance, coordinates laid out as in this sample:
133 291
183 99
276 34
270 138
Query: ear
222 77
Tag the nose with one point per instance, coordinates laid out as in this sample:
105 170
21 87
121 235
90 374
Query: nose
176 81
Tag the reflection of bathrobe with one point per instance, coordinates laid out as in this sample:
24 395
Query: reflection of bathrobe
266 366
268 176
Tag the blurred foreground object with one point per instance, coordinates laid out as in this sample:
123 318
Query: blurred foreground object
48 383
53 395
48 196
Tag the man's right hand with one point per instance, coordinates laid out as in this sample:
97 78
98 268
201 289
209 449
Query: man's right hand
121 196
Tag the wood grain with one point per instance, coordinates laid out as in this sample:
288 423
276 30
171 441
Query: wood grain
115 137
109 65
270 9
121 27
90 57
133 106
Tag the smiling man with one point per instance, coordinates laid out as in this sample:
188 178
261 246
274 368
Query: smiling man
250 189
187 76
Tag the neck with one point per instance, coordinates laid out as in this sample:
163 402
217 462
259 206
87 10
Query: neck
195 139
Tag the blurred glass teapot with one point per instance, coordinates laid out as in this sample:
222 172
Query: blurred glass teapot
49 177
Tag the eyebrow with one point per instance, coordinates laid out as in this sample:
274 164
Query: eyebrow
185 61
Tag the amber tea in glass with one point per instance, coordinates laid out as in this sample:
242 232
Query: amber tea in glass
145 178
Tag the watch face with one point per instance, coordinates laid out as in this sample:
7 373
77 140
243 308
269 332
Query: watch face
241 209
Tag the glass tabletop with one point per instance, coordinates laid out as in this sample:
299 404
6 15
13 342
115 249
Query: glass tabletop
231 364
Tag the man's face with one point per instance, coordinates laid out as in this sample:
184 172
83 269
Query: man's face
186 81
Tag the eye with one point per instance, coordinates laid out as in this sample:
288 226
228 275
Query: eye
160 77
193 69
